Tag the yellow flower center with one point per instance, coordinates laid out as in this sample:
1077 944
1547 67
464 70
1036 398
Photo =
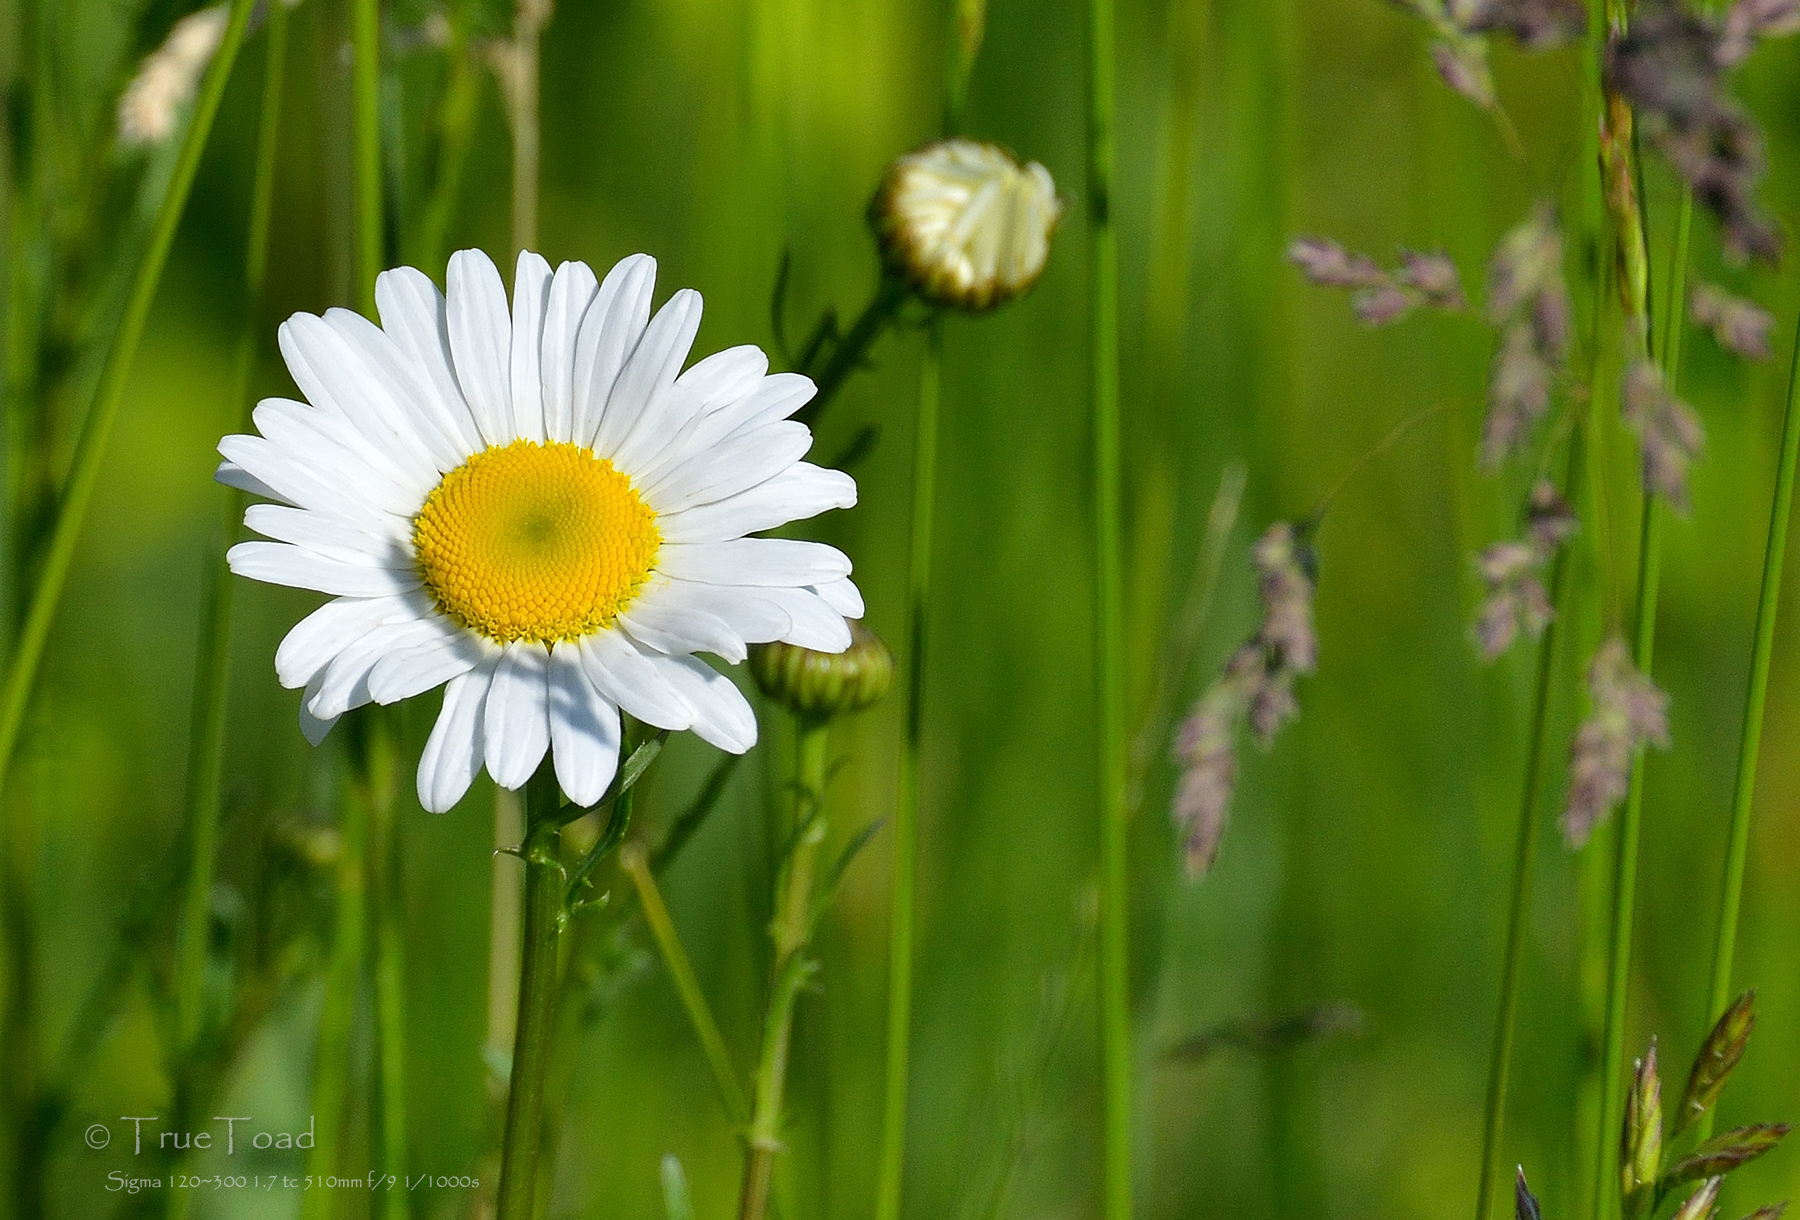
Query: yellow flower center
534 542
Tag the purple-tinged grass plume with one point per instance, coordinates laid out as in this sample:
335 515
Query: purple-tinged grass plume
1628 713
1668 430
1669 65
1512 572
1528 302
1255 686
1422 279
1461 29
1741 327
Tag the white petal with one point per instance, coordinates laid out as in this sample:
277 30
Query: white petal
753 615
311 643
628 678
386 365
609 334
454 752
481 342
413 671
331 537
648 378
779 396
312 727
719 379
413 314
233 475
722 716
571 292
753 561
358 475
531 293
334 379
346 683
278 563
518 714
801 491
815 624
659 619
742 462
584 729
843 596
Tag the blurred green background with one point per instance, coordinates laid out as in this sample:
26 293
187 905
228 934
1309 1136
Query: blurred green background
1369 853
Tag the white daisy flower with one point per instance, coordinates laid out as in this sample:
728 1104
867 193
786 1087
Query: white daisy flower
965 223
537 509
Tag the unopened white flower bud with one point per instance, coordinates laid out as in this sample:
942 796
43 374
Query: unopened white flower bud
965 224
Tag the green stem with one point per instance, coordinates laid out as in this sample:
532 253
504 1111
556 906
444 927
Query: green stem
96 428
387 886
365 90
687 985
1115 1000
207 728
1762 653
331 1063
791 930
848 355
456 127
543 920
528 24
906 805
1531 818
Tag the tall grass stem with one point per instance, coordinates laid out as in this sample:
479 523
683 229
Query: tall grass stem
1531 819
906 805
1115 999
1749 743
96 428
206 735
687 984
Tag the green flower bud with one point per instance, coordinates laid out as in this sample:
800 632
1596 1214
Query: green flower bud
825 685
965 224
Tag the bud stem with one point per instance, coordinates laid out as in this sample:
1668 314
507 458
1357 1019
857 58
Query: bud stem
791 930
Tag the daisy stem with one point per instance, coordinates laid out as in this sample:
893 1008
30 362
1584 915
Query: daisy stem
543 919
1531 819
96 427
906 805
848 355
687 985
790 970
1762 653
206 737
1115 999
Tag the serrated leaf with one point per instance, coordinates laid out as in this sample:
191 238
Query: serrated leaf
1526 1203
1723 1153
1719 1054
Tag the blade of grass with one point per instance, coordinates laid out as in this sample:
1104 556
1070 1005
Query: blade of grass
96 428
1115 1000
